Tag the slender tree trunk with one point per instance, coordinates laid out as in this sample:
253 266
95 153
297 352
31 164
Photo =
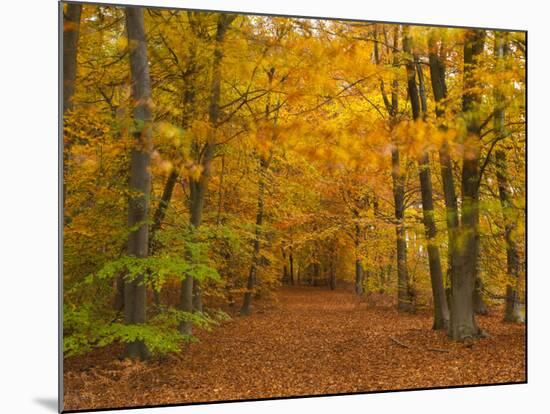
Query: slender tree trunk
291 266
358 277
462 322
417 97
451 208
441 310
220 192
332 274
316 273
71 32
186 304
245 309
198 188
188 102
358 262
263 171
512 312
160 212
158 218
285 268
140 179
189 289
197 297
404 300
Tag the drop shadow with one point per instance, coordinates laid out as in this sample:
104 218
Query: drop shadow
49 403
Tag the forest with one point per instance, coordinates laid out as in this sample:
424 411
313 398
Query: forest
266 206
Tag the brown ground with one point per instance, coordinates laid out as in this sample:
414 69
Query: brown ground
313 341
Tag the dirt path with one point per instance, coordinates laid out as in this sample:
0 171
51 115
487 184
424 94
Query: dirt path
312 341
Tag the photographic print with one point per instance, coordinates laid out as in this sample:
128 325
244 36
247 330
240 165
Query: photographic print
264 206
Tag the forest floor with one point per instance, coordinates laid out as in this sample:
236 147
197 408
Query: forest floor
309 341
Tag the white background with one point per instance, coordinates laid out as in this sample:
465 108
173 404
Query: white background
28 205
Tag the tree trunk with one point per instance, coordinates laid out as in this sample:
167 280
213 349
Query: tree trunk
512 312
160 212
140 179
480 308
418 100
220 192
158 218
285 279
188 102
263 170
439 87
291 266
358 277
316 274
197 297
404 300
71 32
462 322
245 309
441 310
437 72
332 274
198 188
358 262
186 304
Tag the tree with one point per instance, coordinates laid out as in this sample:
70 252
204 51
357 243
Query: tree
404 294
512 312
463 279
358 262
71 33
252 275
439 88
140 178
418 104
199 187
263 171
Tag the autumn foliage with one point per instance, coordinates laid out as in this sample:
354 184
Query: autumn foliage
379 164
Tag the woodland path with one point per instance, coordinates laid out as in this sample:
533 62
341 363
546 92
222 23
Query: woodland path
309 341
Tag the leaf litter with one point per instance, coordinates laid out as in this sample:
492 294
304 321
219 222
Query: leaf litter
311 341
